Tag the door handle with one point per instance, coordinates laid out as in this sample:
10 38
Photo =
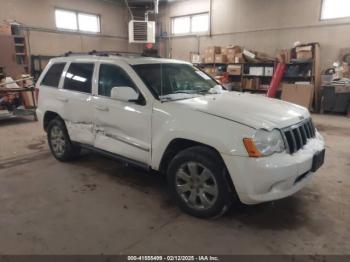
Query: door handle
102 108
64 100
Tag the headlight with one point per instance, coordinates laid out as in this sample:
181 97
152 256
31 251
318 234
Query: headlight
264 143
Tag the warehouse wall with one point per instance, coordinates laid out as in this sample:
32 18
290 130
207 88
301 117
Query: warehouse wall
45 39
264 25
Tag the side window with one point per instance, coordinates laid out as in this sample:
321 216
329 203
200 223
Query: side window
112 76
79 77
53 75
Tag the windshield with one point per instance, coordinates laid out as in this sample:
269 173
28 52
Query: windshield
174 81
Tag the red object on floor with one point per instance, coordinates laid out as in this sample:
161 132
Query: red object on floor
276 80
225 79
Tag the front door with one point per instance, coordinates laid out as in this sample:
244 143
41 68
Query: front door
121 127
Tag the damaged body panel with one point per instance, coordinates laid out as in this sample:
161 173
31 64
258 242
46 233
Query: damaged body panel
79 122
122 128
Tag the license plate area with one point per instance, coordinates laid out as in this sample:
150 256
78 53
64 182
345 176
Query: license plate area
318 160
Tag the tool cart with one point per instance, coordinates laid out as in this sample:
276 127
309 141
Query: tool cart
17 98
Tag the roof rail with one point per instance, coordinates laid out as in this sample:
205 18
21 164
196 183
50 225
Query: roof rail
102 53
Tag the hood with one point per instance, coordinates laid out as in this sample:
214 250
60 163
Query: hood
255 111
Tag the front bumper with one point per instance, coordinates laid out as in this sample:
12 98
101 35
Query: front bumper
270 178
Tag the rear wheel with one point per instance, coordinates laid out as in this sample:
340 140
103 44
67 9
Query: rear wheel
61 146
198 183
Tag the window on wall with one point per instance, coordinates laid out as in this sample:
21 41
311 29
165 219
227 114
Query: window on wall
66 20
200 23
333 9
181 25
191 24
89 23
77 21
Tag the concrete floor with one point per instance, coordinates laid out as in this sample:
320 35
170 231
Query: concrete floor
95 206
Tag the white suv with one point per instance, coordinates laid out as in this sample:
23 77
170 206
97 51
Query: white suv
215 147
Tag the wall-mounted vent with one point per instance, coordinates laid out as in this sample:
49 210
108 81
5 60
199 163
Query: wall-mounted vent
142 31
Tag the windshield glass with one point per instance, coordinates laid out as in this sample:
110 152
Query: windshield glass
174 81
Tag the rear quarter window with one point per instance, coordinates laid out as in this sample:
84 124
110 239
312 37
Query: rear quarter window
79 77
53 75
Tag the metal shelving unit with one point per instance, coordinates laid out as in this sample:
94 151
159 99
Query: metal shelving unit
238 80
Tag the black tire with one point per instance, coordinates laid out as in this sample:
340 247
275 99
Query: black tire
71 151
208 159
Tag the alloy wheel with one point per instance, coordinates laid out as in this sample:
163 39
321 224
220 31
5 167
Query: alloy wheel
196 185
58 142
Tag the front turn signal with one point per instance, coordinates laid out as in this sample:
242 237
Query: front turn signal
251 148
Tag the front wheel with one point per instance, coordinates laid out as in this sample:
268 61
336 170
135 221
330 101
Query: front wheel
197 182
61 146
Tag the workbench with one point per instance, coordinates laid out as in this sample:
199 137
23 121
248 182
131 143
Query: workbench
19 112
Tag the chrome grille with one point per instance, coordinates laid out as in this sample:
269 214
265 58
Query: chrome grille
296 136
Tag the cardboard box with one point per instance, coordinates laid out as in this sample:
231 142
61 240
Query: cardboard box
300 94
249 54
256 71
284 56
235 59
220 59
5 30
251 83
28 100
208 70
209 59
346 68
233 50
231 59
196 58
234 70
209 54
304 55
248 83
304 52
212 71
264 87
263 57
341 89
256 83
268 71
239 58
212 50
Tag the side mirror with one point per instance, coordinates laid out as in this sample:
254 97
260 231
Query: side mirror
124 93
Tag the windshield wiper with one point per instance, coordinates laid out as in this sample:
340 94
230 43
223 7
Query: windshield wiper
177 96
204 91
183 92
192 92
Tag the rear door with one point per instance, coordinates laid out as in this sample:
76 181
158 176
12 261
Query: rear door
122 127
77 99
